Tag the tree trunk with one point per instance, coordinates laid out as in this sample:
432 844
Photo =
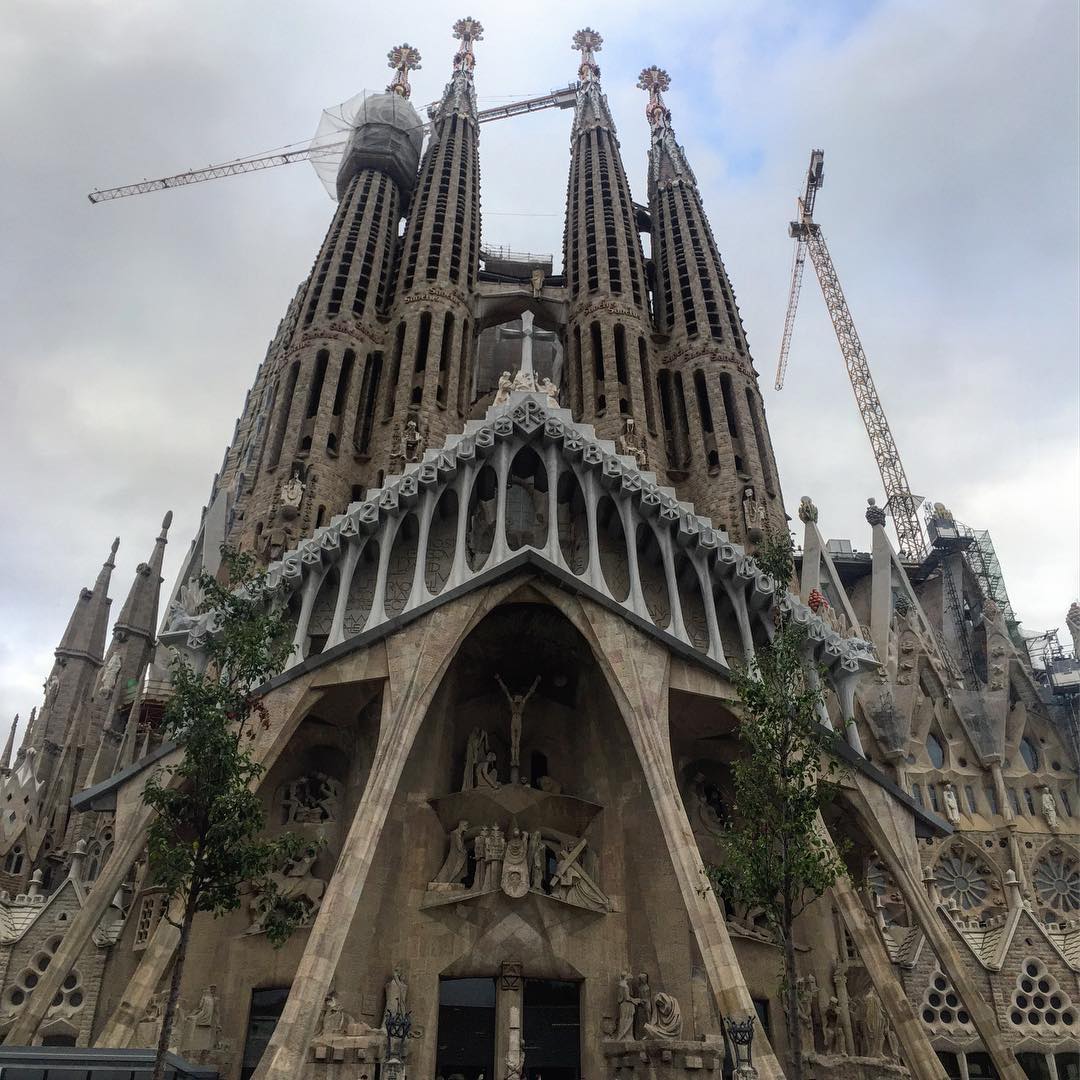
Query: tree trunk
174 991
791 996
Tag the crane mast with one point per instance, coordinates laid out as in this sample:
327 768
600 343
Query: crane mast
809 238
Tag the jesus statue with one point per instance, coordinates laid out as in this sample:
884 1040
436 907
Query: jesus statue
517 708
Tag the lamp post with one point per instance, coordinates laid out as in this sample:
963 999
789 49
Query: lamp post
398 1025
741 1037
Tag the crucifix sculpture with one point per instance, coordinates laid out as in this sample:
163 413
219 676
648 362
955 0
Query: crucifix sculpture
517 709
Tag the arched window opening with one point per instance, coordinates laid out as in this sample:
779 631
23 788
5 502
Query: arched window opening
365 411
444 359
646 385
283 416
1029 753
395 372
935 750
465 392
344 378
596 342
13 860
322 358
729 405
526 501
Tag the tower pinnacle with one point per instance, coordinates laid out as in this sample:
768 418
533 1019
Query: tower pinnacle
403 59
588 42
467 31
655 80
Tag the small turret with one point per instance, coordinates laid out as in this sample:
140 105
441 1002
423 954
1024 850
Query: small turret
9 746
85 633
138 616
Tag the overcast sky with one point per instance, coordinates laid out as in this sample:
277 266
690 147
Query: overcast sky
131 330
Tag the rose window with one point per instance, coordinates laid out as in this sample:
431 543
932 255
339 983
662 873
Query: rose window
1057 881
963 876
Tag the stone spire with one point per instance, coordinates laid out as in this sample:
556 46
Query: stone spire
138 616
9 746
716 440
609 332
431 344
85 633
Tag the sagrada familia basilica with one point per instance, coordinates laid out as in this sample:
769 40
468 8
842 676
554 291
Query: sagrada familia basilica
517 594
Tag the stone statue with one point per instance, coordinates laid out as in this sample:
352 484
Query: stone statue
1072 621
51 685
834 1034
476 749
148 1030
536 282
666 1019
873 1026
311 799
627 1006
184 610
546 386
480 845
753 511
506 384
517 708
486 774
808 512
644 1004
106 682
294 882
397 993
525 381
292 493
515 868
537 860
943 512
1049 808
334 1020
806 1011
457 858
496 845
632 445
952 806
200 1028
571 883
412 442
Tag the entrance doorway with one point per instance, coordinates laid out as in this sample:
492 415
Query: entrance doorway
552 1029
466 1029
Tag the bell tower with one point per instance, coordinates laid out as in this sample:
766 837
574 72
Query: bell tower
716 440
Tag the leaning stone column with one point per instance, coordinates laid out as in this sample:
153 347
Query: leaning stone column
918 1053
952 964
417 658
640 668
77 937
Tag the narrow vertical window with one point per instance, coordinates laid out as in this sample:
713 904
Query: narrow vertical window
322 358
395 372
596 341
464 371
444 358
369 395
646 384
729 405
283 416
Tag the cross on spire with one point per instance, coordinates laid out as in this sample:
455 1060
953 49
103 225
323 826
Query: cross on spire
655 80
588 42
403 59
467 31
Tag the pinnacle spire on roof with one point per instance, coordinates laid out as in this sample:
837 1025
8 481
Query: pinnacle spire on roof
403 59
9 746
139 614
667 159
460 95
85 633
591 109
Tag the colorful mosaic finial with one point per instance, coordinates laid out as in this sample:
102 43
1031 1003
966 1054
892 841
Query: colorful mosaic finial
655 80
403 59
588 42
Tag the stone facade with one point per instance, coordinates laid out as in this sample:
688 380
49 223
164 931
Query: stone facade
508 714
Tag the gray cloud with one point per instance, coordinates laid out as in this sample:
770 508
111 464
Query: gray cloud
132 330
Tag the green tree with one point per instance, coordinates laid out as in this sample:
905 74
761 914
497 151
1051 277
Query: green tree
206 843
775 859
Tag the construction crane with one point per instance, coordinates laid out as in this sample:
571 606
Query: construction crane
808 237
557 99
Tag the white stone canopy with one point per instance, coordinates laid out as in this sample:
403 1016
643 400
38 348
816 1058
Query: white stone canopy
527 477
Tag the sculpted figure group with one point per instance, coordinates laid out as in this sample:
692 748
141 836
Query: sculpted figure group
643 1015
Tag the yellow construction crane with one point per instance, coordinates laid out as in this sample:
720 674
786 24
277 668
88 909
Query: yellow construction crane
808 237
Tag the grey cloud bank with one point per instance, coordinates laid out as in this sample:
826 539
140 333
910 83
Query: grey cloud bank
132 330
